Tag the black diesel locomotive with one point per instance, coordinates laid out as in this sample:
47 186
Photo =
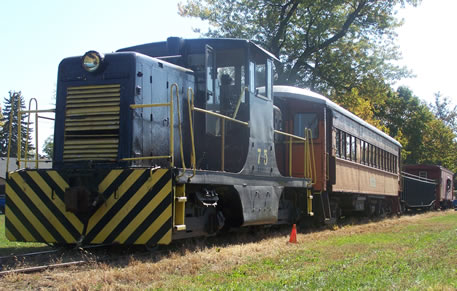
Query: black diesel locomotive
186 137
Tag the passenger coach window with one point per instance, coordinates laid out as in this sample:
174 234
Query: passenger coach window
363 145
306 120
348 146
338 142
354 148
343 145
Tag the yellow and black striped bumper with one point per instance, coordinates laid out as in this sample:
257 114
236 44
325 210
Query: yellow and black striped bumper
137 208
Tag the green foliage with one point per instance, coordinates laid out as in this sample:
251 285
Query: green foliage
439 146
441 109
48 147
9 103
405 115
323 45
426 135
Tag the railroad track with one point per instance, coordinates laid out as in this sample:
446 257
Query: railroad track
42 268
46 260
49 259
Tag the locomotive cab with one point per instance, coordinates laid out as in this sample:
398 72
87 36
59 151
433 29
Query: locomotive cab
226 74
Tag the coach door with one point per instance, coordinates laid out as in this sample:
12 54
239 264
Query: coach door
306 115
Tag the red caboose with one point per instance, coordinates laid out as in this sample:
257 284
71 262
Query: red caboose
443 178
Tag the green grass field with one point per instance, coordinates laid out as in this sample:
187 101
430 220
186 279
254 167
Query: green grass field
8 248
418 255
409 253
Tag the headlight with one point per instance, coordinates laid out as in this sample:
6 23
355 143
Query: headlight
91 61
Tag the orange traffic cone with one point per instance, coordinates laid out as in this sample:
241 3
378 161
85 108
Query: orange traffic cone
293 235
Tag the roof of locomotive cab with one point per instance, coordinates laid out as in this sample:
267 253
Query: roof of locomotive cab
156 49
308 95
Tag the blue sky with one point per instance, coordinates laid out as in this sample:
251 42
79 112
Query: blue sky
37 35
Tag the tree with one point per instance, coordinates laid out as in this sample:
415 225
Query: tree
406 119
48 147
327 46
439 146
441 109
10 103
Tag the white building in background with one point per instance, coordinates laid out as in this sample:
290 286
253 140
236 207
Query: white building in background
13 167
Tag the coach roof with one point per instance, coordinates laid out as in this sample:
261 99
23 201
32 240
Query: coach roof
308 95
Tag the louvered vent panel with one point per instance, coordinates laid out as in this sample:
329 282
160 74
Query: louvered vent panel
92 123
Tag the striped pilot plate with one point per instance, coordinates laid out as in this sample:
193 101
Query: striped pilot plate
137 208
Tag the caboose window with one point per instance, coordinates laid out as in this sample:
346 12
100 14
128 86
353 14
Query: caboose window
306 120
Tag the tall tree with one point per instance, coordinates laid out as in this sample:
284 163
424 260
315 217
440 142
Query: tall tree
11 104
406 118
439 146
443 110
48 147
324 45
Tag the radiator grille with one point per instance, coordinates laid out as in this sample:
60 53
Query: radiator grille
92 123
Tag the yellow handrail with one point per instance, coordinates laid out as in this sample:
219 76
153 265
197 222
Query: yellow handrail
309 164
221 116
18 154
172 137
179 127
239 101
190 103
173 87
36 134
36 111
310 170
19 138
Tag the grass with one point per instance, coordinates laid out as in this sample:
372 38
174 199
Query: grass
412 252
9 248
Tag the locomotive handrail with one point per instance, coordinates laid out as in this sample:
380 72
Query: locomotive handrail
290 135
36 133
19 141
190 107
37 116
239 101
223 118
179 127
136 106
170 104
309 163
